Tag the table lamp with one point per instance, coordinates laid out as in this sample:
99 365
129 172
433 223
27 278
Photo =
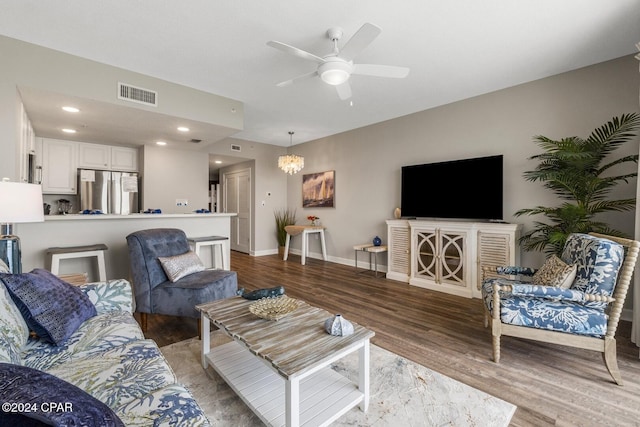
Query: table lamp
19 202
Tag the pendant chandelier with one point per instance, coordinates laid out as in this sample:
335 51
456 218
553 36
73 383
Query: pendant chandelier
291 163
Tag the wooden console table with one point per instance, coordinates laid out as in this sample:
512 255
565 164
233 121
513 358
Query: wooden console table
305 230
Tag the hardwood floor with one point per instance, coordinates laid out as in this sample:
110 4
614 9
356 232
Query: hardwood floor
550 384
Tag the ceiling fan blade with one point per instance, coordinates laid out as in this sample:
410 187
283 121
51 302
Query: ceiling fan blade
344 90
360 40
297 79
295 51
381 70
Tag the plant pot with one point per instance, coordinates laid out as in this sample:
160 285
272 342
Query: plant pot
281 252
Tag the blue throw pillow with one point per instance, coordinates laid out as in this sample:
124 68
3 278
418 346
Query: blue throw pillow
31 397
51 307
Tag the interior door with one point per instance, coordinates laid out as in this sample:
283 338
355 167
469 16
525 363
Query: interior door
237 198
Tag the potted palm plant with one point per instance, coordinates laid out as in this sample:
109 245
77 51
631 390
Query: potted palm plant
283 218
580 173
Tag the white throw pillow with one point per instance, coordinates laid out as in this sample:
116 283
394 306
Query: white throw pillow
555 272
182 265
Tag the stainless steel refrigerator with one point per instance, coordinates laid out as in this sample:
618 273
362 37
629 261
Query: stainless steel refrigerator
109 192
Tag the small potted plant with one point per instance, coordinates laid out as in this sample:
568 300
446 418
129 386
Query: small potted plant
313 219
283 217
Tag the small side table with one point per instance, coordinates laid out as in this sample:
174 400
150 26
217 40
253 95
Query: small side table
305 230
372 250
220 241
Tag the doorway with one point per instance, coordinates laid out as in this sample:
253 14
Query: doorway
237 198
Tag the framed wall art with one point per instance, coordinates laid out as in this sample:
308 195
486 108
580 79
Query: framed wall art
318 190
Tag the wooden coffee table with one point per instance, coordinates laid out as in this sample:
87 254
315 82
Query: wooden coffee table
281 369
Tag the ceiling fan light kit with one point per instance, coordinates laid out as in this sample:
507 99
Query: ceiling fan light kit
335 72
337 67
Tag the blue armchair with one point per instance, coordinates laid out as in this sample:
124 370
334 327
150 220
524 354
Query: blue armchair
155 292
584 315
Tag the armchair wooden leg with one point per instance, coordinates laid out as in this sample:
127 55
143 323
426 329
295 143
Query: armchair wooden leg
496 331
496 347
143 322
610 359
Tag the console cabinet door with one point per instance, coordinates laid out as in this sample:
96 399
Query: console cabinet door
439 257
398 253
59 164
495 249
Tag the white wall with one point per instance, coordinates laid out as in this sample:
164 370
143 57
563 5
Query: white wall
25 64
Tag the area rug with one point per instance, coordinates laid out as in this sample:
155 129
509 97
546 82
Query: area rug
403 393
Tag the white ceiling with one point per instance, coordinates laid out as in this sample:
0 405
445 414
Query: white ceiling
455 49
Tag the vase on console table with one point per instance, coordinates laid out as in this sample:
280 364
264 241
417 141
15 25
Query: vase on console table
377 241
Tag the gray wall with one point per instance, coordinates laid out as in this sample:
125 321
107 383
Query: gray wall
170 174
367 161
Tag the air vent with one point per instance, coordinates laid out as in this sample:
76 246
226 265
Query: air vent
235 147
137 94
196 141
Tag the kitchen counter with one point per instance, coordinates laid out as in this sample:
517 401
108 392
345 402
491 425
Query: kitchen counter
112 230
75 217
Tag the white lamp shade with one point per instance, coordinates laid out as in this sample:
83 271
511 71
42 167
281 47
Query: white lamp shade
20 202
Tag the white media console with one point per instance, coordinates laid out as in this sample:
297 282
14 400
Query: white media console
448 256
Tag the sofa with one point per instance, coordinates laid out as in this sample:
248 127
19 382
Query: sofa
90 367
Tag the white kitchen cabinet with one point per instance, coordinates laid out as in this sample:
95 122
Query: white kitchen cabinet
94 156
124 159
448 256
27 148
59 165
107 157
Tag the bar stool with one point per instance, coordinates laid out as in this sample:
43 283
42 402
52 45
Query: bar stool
214 241
56 254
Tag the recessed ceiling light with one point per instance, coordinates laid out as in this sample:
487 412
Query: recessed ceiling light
69 130
183 129
71 109
161 143
217 162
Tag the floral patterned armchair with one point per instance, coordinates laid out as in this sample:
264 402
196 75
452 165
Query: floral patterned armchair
583 313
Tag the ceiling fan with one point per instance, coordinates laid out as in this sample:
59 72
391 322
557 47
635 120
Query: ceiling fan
337 67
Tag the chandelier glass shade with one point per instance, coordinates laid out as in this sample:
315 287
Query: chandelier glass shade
291 163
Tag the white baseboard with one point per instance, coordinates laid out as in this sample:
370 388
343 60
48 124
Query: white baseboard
362 264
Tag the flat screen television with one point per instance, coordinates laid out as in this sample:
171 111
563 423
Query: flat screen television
459 189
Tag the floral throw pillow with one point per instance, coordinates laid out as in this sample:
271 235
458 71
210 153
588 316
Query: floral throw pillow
555 272
179 266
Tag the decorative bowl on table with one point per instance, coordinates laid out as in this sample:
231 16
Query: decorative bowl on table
274 308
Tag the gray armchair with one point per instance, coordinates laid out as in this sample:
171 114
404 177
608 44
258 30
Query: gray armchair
155 293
